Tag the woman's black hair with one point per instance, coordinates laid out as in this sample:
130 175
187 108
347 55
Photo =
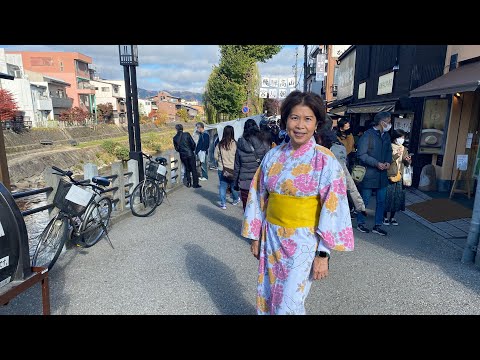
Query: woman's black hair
396 134
250 129
341 123
227 137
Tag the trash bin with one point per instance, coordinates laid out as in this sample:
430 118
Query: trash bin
14 248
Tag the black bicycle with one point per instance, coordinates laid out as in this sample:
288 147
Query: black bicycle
150 192
83 218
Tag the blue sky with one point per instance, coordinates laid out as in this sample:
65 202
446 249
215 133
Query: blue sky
170 67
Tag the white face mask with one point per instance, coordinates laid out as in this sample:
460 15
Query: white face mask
400 141
385 129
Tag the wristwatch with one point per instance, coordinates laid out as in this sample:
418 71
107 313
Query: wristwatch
322 254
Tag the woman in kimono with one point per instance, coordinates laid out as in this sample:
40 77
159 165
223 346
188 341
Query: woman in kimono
297 210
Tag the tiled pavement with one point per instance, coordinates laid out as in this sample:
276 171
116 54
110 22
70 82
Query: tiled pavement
456 231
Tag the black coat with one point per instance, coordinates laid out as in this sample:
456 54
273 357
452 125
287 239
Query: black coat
245 161
185 147
371 150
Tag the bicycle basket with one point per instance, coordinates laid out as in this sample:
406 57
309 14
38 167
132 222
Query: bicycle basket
65 205
154 170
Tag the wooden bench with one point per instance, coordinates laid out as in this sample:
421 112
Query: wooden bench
14 288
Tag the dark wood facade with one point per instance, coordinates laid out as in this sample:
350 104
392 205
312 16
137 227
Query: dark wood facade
417 65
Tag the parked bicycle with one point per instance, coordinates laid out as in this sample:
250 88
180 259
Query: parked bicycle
83 218
150 192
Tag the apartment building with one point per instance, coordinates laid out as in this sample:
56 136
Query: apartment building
71 67
110 92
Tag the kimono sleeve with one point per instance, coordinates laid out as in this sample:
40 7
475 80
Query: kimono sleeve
335 224
254 214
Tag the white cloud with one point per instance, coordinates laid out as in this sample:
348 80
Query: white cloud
167 67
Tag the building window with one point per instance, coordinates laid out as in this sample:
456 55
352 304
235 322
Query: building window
105 89
61 65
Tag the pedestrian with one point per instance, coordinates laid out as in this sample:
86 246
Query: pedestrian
395 196
202 149
297 210
224 154
250 151
344 135
328 138
185 145
375 153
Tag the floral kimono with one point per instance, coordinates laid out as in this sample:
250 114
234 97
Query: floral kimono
297 204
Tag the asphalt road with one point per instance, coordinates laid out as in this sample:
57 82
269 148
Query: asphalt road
188 258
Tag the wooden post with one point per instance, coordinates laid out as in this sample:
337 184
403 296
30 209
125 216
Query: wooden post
117 169
4 175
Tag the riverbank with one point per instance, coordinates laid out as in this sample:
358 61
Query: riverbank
26 168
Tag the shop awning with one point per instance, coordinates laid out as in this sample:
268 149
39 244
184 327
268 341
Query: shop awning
461 79
340 111
371 107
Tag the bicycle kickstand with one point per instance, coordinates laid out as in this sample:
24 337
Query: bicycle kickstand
106 234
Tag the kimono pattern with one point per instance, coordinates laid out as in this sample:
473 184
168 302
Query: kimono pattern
287 254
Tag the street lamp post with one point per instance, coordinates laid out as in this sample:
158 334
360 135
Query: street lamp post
129 59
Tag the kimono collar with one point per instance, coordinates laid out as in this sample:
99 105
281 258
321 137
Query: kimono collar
304 148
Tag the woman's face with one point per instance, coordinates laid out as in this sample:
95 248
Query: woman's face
301 124
346 127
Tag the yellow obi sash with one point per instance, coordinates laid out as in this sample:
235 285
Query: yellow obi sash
293 211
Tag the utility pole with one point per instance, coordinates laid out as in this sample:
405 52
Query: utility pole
295 66
305 69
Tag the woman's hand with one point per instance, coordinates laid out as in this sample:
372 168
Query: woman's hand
320 268
255 248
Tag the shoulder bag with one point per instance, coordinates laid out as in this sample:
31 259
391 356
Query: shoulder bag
358 171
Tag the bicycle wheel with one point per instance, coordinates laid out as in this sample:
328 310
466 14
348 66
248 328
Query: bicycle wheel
161 193
144 198
97 218
50 243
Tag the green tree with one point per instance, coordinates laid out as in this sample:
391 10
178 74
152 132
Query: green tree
234 82
183 114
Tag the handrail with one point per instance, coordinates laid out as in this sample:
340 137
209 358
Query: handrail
22 194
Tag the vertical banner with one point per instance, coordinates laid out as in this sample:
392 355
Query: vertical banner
320 70
291 82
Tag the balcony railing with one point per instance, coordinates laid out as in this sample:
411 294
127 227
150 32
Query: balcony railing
59 102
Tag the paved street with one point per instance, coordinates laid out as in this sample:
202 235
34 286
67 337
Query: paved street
188 258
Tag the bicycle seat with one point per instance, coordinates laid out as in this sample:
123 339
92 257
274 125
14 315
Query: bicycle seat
101 180
161 160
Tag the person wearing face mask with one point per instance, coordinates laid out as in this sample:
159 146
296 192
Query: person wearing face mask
345 136
395 196
374 151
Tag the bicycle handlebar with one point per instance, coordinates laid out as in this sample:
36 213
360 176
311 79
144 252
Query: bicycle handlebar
69 174
149 157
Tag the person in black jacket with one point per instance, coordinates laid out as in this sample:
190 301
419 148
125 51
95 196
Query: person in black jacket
250 151
375 153
184 144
